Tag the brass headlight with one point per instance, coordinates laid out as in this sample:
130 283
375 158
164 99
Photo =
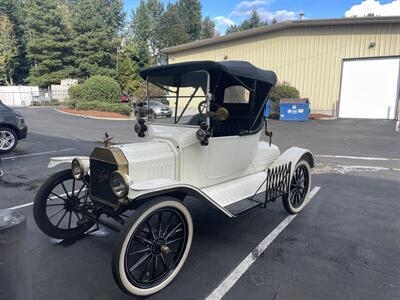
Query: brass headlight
119 184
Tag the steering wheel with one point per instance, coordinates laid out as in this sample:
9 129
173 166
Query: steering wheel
203 106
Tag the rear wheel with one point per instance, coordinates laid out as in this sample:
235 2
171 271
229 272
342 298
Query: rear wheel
8 139
56 206
299 188
152 246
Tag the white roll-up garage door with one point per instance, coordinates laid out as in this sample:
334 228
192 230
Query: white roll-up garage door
370 88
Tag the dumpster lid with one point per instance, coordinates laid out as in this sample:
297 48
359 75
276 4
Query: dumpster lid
294 100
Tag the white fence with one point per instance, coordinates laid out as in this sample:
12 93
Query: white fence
17 96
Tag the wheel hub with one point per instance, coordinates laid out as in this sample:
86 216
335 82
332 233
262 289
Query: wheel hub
72 203
157 246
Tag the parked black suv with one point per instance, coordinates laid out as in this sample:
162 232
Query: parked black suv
12 128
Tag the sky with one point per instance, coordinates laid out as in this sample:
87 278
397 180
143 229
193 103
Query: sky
228 12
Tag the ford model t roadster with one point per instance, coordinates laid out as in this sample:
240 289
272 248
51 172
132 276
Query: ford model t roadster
212 149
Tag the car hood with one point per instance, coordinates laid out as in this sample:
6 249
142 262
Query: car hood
5 110
149 160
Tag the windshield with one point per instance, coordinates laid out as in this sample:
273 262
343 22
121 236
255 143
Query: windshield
177 99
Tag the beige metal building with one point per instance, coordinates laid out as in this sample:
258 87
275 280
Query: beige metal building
347 67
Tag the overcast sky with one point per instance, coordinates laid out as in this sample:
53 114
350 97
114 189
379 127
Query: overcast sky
228 12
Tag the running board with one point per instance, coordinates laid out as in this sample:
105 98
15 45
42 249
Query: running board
246 204
258 189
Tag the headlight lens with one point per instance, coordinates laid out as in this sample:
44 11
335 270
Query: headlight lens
119 184
20 122
78 169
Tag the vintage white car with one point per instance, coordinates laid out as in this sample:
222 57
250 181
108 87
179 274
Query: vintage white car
218 155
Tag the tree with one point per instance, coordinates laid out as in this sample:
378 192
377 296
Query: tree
97 24
8 51
141 30
155 10
171 29
190 15
13 9
208 28
232 28
49 46
252 22
128 70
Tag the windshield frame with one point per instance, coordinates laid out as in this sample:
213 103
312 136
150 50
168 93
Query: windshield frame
177 97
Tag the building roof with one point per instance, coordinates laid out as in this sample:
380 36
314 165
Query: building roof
280 26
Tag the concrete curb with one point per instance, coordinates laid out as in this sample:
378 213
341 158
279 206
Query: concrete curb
91 117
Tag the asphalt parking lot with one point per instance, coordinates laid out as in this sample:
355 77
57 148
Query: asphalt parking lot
344 245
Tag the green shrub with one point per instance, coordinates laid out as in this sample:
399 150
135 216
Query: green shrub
281 91
100 88
74 92
55 102
104 106
71 103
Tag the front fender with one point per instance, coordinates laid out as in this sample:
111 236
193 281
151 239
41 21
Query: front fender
55 161
158 187
294 155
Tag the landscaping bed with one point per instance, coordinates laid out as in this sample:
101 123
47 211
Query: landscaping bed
93 113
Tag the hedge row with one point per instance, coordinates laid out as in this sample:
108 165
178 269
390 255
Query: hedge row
102 106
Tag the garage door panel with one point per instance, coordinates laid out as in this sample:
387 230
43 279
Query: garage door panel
369 88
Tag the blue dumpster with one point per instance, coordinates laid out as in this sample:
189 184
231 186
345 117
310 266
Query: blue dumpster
267 109
294 109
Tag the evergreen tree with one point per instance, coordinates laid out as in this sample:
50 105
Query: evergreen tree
13 10
252 22
172 30
233 28
128 70
190 14
96 24
8 51
155 10
141 30
49 47
208 28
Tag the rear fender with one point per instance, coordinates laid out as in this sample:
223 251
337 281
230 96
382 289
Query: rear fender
55 161
294 155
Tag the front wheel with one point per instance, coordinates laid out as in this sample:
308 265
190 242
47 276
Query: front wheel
299 189
152 246
56 206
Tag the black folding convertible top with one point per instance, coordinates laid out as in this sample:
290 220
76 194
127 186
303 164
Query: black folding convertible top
238 68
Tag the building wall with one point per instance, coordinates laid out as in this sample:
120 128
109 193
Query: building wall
309 58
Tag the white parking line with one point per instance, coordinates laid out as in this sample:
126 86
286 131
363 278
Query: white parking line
235 275
36 154
31 203
357 157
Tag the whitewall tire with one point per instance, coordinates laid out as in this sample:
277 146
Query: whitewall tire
299 188
152 246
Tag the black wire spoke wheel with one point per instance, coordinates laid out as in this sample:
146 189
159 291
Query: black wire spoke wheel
153 248
299 188
57 206
156 247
